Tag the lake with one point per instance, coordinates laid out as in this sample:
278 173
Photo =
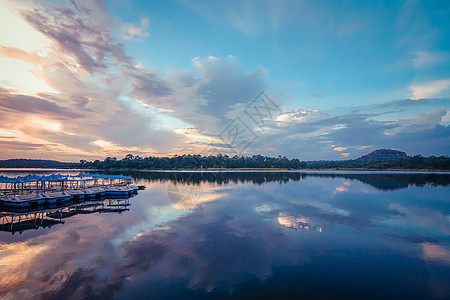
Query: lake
240 235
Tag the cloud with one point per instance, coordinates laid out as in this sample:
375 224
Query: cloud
430 89
147 87
94 83
428 59
434 252
14 146
16 53
207 101
97 92
341 189
79 34
419 122
298 116
317 134
133 31
340 149
226 84
319 95
12 101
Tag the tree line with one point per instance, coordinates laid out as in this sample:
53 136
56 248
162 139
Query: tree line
195 162
417 162
220 161
189 162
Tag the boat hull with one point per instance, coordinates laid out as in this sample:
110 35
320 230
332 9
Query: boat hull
22 201
54 198
21 204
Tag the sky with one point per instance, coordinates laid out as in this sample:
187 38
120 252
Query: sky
304 79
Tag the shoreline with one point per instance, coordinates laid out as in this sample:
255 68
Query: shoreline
231 170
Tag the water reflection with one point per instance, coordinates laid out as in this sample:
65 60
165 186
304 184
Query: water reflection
381 180
28 218
300 223
244 237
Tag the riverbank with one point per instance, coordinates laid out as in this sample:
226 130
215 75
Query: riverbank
228 170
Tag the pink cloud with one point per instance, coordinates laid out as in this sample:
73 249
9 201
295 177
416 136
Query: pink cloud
133 31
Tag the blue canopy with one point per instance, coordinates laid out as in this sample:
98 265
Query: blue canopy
99 176
33 178
5 179
59 177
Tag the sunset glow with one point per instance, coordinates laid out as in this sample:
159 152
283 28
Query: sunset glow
89 79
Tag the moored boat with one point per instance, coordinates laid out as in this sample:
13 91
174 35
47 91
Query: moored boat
56 197
89 193
134 188
24 200
94 192
99 191
76 194
119 190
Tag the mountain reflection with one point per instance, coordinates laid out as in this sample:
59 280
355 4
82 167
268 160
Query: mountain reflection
243 235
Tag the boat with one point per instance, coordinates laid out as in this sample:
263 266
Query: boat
123 190
57 189
134 188
98 191
89 193
24 200
94 192
57 197
76 194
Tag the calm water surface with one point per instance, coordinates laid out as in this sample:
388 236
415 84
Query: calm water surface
241 235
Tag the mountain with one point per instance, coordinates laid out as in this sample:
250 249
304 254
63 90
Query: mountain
384 154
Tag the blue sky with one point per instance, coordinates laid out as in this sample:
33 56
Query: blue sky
93 79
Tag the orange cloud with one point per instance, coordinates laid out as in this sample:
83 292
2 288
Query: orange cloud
435 252
341 189
136 31
340 149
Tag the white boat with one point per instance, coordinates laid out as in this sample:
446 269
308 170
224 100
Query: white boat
94 192
76 194
24 200
55 197
123 190
89 193
99 191
134 188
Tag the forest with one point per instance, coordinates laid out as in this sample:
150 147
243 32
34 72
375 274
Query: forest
191 162
176 162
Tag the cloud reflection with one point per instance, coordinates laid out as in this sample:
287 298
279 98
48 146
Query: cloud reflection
239 232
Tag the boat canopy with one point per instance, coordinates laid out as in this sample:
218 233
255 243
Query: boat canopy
32 178
59 177
5 179
83 175
80 180
99 176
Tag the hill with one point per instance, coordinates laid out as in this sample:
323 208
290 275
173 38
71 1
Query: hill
33 163
384 154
